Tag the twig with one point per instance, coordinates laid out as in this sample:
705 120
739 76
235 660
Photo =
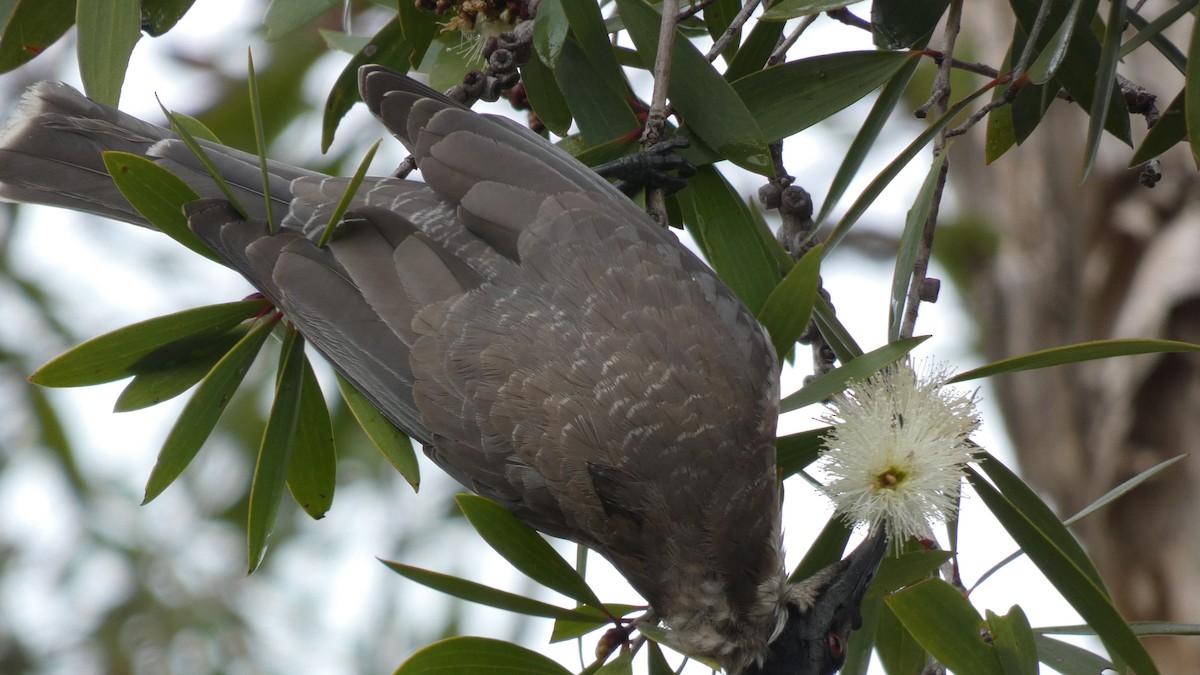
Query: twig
656 118
782 48
922 288
1039 22
739 20
693 10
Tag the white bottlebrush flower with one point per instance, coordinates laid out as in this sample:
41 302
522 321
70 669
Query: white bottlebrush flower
898 447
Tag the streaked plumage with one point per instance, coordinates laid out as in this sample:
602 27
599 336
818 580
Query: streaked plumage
551 347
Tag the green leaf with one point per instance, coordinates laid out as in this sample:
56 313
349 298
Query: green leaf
587 24
1059 557
711 109
274 455
856 370
1068 659
825 550
789 98
419 28
391 441
486 595
545 97
899 652
173 370
283 17
1014 641
203 410
1077 353
158 195
160 16
867 134
549 31
794 452
312 471
1192 93
108 30
479 656
387 48
343 204
840 341
260 139
32 27
739 250
786 311
1077 74
1152 31
910 242
896 572
897 24
602 112
1044 67
622 664
946 625
1106 85
1139 628
752 55
117 355
525 548
791 9
1170 128
568 629
181 126
343 42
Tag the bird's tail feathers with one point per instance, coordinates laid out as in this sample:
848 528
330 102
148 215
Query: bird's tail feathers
51 153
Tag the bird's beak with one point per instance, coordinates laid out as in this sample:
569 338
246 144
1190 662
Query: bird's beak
844 594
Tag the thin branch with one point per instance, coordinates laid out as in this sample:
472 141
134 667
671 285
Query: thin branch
693 10
1039 22
781 50
656 118
734 26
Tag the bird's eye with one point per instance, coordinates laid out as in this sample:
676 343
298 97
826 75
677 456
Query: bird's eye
837 645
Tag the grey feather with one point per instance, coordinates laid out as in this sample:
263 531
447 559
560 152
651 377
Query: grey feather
552 348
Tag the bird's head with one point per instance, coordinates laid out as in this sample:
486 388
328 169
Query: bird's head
821 612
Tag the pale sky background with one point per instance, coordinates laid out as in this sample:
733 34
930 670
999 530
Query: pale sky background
322 593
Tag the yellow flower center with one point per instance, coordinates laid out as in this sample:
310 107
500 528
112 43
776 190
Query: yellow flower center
889 479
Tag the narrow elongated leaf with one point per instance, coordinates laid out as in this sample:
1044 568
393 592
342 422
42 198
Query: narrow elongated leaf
187 362
856 370
549 31
1014 642
739 250
1106 84
791 9
897 24
525 548
388 47
545 97
200 414
1152 31
284 17
899 571
788 98
312 470
33 26
786 311
1079 587
1139 628
343 204
271 469
1069 659
108 30
752 55
867 134
946 625
839 339
601 111
1046 65
825 550
794 452
158 195
1192 93
480 656
587 24
899 652
1077 353
391 441
910 243
160 16
486 595
710 107
117 355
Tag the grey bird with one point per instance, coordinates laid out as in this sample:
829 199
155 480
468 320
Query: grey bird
552 348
